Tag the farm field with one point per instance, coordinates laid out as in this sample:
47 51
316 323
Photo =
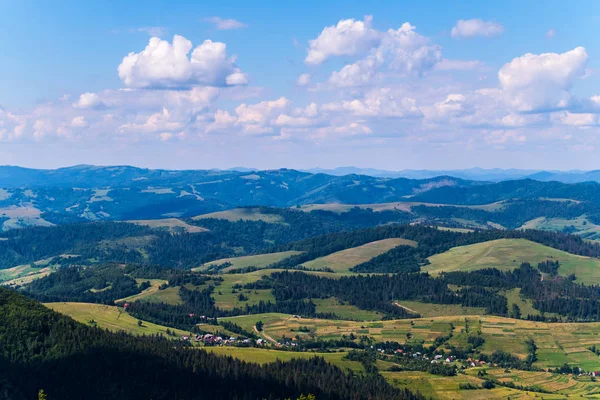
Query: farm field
558 343
508 254
342 261
244 214
170 224
263 356
555 383
110 317
259 261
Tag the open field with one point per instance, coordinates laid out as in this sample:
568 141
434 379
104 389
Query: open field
149 294
397 206
170 224
558 343
109 317
445 387
439 310
555 383
581 225
259 261
342 261
244 214
508 254
345 311
263 356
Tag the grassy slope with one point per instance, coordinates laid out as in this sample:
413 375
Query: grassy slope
345 311
440 310
245 214
398 206
342 261
170 224
109 317
507 254
147 294
581 224
259 261
263 356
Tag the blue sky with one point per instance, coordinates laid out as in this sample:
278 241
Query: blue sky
187 84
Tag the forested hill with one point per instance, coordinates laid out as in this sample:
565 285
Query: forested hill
68 360
87 193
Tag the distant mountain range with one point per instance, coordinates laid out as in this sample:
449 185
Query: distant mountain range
476 174
89 193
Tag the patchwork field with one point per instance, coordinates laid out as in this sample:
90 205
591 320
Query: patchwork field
259 261
439 310
342 261
170 224
110 317
508 254
397 206
557 343
244 214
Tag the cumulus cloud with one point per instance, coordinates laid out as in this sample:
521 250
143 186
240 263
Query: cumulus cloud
167 65
381 103
349 37
476 27
303 80
225 24
89 100
402 51
79 122
538 82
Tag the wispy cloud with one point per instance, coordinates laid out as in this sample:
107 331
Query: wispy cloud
225 24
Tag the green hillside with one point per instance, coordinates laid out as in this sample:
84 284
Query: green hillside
259 261
507 254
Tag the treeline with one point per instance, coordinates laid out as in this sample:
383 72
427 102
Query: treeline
378 292
429 240
43 350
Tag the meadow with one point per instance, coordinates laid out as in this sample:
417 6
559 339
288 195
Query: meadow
508 254
259 261
244 214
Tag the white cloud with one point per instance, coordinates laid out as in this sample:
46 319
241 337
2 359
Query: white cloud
476 27
304 80
378 103
166 65
79 122
349 37
571 119
89 100
152 30
550 33
224 24
359 73
458 65
538 82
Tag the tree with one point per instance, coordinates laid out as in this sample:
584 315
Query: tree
140 323
516 311
259 326
42 395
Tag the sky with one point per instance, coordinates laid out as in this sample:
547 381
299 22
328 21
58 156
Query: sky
381 84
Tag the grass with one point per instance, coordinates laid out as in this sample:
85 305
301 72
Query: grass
557 342
109 317
345 311
169 295
342 261
244 214
439 310
146 293
508 254
171 224
397 206
225 298
259 261
263 356
582 226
